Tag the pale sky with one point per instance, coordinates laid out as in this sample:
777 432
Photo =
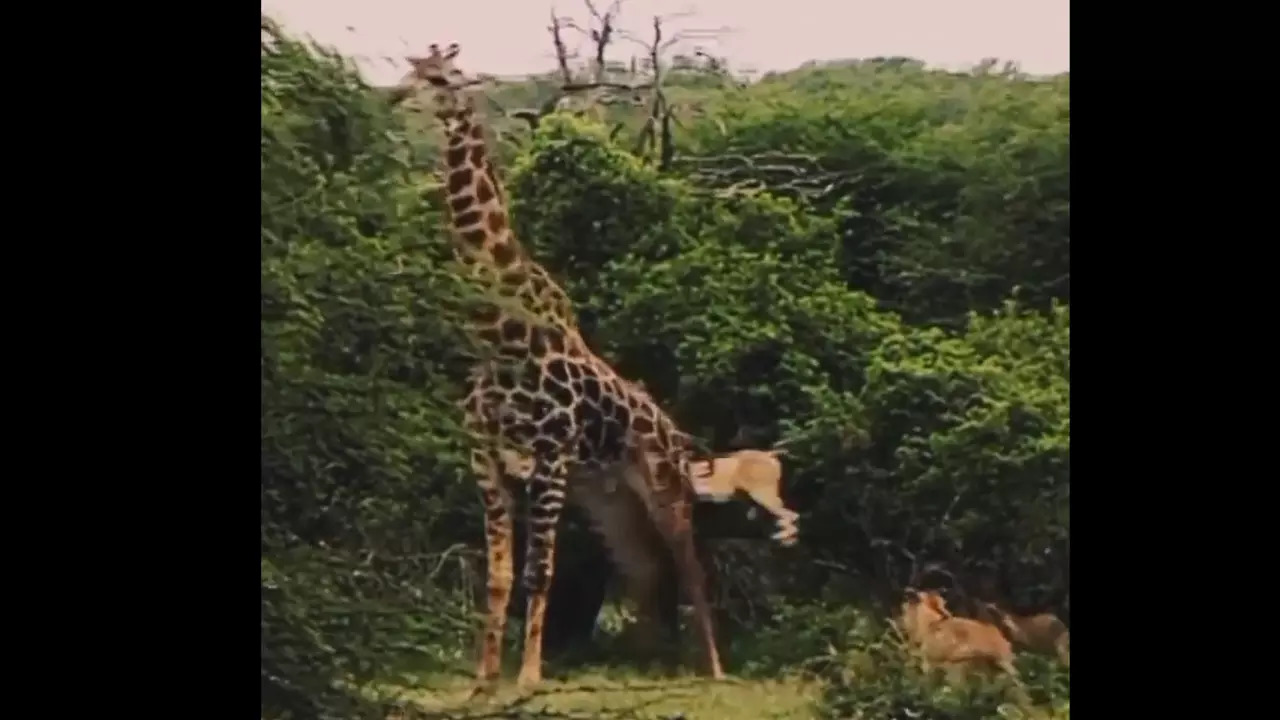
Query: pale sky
508 37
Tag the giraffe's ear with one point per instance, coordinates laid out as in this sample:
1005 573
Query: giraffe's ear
452 51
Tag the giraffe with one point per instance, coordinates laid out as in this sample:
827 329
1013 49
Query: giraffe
543 408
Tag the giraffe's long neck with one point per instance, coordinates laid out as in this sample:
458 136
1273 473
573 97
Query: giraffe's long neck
481 229
478 217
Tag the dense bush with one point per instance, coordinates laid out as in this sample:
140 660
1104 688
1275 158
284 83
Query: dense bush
361 456
735 310
950 189
907 328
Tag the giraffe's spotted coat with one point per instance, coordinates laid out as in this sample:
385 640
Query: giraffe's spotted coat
548 409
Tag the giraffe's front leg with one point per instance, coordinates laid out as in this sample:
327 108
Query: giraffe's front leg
498 532
546 486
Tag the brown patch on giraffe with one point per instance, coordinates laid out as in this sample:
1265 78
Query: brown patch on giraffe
454 156
591 390
468 219
475 237
487 314
555 343
484 191
477 155
514 331
538 340
475 131
557 375
460 179
504 254
497 221
460 203
515 276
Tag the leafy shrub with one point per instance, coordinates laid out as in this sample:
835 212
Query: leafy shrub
361 454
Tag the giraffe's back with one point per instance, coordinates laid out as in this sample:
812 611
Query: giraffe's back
543 408
580 404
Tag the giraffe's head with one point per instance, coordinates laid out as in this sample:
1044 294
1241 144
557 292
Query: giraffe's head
437 70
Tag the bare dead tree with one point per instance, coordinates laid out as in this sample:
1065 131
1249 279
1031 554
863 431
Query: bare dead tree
793 175
658 129
598 82
640 83
594 86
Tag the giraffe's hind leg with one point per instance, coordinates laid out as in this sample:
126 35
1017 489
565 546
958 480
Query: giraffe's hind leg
498 532
546 486
675 521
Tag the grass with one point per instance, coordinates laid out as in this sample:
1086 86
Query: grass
778 675
617 692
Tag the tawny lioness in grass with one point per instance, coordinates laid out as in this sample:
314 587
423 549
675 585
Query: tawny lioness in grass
1042 633
958 645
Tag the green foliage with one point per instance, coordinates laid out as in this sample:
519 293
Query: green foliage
734 308
739 299
950 188
580 203
361 453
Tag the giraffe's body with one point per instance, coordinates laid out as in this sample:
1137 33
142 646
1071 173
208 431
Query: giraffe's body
544 409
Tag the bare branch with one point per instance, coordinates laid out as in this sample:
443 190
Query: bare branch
656 136
562 53
529 116
579 87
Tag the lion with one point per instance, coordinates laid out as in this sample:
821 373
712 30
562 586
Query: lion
1042 633
758 474
958 645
